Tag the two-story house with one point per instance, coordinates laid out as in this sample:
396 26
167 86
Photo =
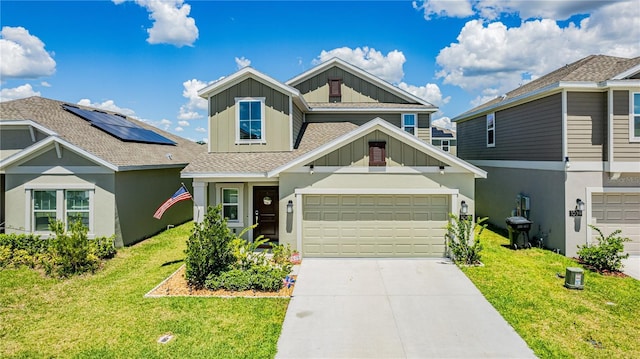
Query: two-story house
445 139
335 162
67 162
563 149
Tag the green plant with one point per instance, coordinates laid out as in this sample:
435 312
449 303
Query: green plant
246 253
208 248
464 249
263 278
72 250
282 256
606 255
104 247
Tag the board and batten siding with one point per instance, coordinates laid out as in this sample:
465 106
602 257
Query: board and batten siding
587 126
527 132
222 118
356 153
353 89
623 149
298 121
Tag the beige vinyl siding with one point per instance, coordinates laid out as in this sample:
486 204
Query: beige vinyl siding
356 153
354 88
298 121
528 132
223 118
424 134
623 149
586 126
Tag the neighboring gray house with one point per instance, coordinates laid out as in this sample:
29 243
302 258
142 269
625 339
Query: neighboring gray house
335 162
112 172
570 136
445 139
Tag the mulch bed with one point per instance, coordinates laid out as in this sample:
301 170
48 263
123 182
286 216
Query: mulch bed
176 286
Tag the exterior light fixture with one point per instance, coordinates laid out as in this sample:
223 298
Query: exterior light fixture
579 208
290 206
464 211
567 164
441 170
311 169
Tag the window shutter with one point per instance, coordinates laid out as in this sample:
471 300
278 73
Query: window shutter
377 154
335 91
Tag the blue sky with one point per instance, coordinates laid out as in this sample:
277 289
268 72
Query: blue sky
148 58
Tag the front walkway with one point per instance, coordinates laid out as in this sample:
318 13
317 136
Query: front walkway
392 308
632 267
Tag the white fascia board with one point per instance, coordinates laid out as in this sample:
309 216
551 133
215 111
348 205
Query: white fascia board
380 191
629 167
242 75
630 72
28 123
384 126
51 142
621 84
353 69
222 175
372 110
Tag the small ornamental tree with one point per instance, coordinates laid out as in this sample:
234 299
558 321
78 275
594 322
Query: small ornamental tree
606 255
72 251
459 232
208 248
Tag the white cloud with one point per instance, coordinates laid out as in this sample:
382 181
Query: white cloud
164 124
171 22
444 8
242 62
429 92
16 93
108 105
178 129
45 84
387 67
23 55
201 129
500 58
444 122
183 123
189 111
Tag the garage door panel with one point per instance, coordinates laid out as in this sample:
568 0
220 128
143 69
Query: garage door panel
374 225
613 211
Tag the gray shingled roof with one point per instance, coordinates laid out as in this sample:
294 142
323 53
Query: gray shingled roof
79 132
593 68
315 135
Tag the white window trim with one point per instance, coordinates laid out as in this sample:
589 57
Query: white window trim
448 145
61 209
239 223
487 129
632 116
262 120
415 123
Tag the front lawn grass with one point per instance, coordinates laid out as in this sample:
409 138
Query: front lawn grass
105 315
601 321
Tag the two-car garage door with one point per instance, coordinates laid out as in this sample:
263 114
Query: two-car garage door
361 225
612 211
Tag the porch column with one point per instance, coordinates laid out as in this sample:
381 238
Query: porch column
199 200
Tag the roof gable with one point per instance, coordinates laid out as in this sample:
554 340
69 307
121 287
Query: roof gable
241 75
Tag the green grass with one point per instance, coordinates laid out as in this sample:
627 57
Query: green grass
601 321
106 316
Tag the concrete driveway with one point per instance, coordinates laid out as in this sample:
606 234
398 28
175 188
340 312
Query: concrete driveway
392 308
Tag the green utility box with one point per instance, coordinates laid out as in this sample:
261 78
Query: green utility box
574 278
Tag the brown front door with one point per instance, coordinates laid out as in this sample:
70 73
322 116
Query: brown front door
265 212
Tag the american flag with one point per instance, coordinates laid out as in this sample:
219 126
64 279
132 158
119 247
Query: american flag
180 195
288 281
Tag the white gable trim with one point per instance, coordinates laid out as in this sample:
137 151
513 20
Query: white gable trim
51 142
241 75
630 72
384 126
360 72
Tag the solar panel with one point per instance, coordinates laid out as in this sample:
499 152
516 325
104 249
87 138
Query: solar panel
118 126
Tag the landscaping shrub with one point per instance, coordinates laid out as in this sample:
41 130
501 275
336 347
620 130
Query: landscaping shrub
263 278
208 248
606 254
462 248
72 250
104 247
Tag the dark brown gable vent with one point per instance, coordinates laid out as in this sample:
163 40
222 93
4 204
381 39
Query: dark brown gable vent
377 154
335 91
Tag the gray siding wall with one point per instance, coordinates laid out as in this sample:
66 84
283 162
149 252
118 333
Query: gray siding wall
298 120
623 149
68 159
223 118
587 126
362 118
13 140
528 132
138 194
354 89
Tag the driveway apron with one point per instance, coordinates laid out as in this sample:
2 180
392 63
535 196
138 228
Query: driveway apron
392 308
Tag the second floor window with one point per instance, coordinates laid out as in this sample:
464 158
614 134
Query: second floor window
491 130
445 145
634 125
250 120
409 123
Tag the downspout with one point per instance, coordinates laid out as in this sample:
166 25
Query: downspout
609 163
565 144
290 123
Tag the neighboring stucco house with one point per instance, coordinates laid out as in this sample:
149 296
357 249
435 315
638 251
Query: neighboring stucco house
335 162
573 134
67 161
445 139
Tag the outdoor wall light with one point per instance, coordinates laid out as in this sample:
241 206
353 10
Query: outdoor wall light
567 164
464 211
579 208
311 169
441 170
290 206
